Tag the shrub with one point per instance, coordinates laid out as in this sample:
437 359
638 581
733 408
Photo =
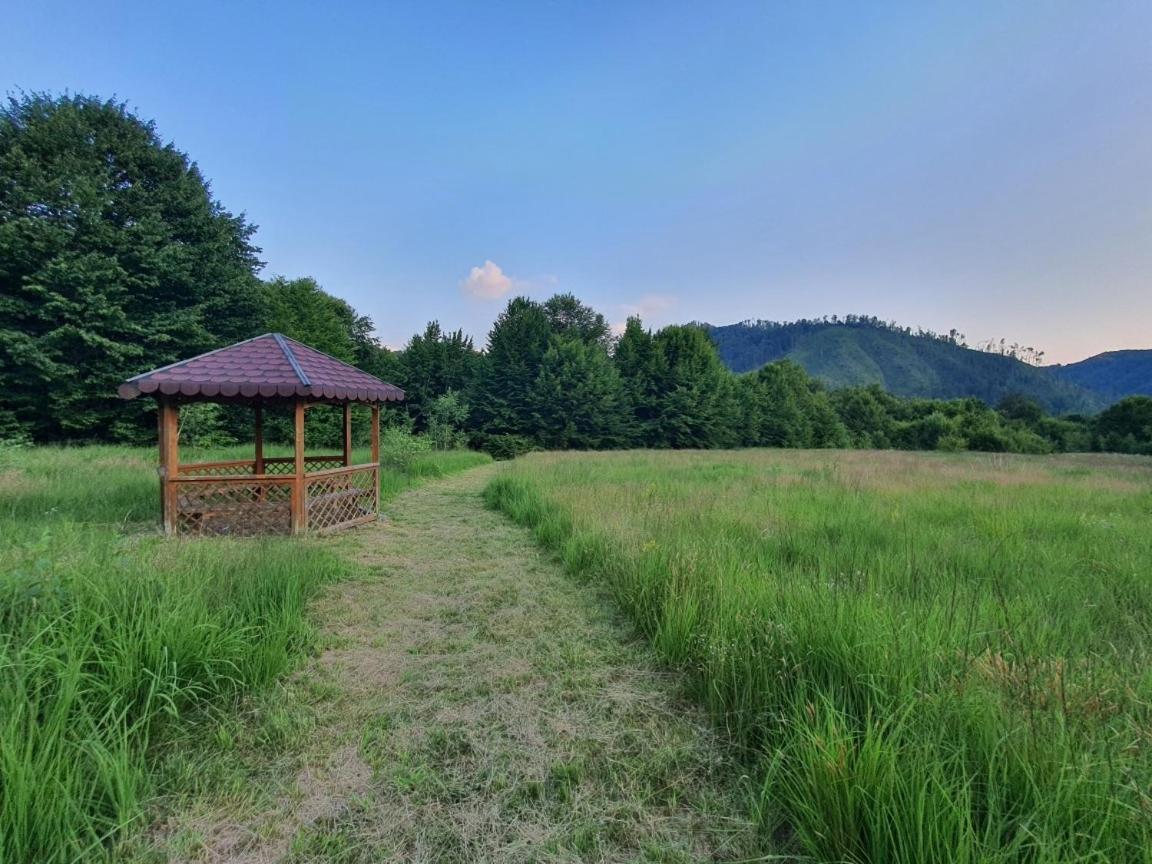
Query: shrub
399 448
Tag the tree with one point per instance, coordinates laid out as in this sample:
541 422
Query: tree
434 363
641 368
697 401
301 309
1127 426
571 319
1017 406
863 411
577 400
445 416
114 258
502 397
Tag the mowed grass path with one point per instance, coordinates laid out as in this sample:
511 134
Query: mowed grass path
473 703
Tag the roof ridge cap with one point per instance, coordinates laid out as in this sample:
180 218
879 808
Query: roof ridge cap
282 341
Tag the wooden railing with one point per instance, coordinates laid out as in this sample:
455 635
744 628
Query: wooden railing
229 498
274 465
238 506
340 497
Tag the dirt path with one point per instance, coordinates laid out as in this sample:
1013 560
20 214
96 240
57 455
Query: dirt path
476 704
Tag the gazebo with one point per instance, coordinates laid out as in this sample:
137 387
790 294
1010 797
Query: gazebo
287 495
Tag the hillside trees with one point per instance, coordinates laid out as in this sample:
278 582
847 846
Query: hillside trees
114 257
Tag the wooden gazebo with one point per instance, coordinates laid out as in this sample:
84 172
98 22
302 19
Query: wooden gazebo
261 495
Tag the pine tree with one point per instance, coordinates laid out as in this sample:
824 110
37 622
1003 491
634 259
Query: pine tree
502 398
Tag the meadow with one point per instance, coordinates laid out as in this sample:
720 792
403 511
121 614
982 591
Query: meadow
919 657
113 640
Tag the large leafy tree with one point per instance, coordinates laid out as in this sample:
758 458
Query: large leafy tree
571 319
577 400
114 258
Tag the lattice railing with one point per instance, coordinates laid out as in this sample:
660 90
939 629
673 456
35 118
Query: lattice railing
233 506
287 464
219 469
341 496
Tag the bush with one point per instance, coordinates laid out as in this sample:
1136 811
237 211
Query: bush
505 446
201 425
399 449
446 416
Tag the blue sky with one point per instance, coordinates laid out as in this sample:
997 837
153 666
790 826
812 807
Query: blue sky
984 166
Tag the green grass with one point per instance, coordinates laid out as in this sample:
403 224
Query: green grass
112 639
921 657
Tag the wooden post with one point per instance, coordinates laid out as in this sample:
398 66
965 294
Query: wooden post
299 493
376 433
259 439
162 468
376 456
347 434
169 462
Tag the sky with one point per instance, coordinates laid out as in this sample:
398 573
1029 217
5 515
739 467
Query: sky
984 166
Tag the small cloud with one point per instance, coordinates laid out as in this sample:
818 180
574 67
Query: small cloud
650 306
488 282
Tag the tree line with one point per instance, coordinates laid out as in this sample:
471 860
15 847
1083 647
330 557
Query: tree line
115 257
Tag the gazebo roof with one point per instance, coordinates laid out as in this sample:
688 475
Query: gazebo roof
267 366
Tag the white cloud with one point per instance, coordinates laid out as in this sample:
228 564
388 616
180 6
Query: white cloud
652 309
488 282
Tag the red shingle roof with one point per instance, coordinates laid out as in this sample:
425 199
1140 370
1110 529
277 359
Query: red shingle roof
266 366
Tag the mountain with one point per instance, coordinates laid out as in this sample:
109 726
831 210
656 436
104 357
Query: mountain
860 351
1111 375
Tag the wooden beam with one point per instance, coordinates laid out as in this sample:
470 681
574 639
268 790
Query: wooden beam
347 434
169 462
299 510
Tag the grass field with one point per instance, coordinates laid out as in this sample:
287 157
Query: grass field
111 638
921 657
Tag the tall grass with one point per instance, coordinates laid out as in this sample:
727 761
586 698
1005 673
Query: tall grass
923 657
110 635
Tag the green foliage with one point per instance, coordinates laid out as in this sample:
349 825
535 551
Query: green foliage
446 416
433 364
399 449
572 320
1126 427
505 446
697 401
921 657
502 404
115 258
302 310
201 425
576 399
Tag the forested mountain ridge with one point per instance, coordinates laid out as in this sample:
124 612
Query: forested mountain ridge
864 351
1112 375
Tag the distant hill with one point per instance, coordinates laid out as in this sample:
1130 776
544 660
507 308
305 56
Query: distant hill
862 351
1112 375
